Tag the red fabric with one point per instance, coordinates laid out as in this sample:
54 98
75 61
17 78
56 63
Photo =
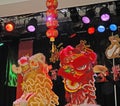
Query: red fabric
25 48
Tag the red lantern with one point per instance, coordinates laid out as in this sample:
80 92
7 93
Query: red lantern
52 34
51 13
51 4
52 23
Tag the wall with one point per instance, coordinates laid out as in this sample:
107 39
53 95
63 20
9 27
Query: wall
16 7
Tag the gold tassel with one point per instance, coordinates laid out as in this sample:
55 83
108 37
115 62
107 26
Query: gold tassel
53 47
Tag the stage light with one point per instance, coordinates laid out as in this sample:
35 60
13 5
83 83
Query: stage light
9 26
91 30
105 14
49 18
1 44
113 27
101 28
86 19
32 25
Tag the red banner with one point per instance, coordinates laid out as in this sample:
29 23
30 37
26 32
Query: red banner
25 48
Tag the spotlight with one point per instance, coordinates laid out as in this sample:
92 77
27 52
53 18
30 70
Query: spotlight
9 26
113 27
101 28
1 44
32 25
91 30
105 14
86 19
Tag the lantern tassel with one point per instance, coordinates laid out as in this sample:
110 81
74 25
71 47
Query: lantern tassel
53 47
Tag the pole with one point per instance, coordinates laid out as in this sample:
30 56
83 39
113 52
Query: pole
115 93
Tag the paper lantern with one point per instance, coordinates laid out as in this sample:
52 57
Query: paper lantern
53 23
51 13
52 34
51 4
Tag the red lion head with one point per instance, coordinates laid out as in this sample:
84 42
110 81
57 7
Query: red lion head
75 65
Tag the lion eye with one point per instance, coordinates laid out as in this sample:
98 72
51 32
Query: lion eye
82 67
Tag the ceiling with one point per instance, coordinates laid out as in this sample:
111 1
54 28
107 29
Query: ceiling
66 27
18 7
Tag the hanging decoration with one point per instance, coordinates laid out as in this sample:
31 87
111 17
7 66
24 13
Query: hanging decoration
116 72
51 21
113 50
52 24
52 4
55 55
52 34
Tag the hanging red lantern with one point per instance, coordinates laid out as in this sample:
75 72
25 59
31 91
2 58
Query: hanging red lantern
51 13
53 23
52 34
51 4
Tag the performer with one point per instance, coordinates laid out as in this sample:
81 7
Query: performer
76 68
37 85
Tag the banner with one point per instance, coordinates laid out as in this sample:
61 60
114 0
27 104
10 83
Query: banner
25 48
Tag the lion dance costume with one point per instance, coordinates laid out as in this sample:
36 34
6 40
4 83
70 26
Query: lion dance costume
37 85
76 69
